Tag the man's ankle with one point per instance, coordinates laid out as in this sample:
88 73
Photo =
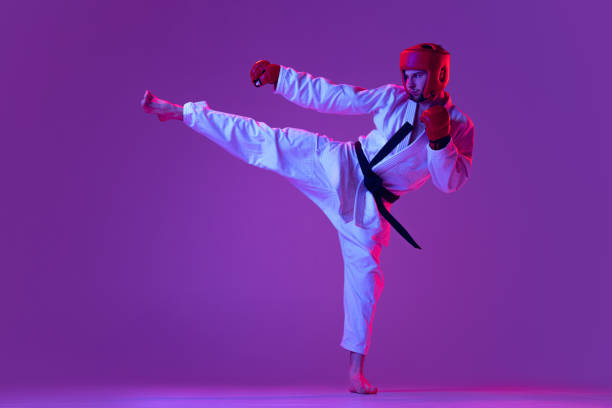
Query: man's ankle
177 112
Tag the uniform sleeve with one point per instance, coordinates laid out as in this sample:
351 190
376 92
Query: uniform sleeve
322 95
450 166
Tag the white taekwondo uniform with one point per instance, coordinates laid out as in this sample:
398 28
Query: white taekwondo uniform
327 171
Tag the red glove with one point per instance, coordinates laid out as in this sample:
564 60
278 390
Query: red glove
263 73
437 126
437 122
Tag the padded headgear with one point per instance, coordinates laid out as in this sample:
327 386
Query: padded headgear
429 57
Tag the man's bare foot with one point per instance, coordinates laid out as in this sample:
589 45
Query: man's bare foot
163 109
360 385
357 382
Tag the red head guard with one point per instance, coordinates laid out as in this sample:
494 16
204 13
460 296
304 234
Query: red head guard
431 58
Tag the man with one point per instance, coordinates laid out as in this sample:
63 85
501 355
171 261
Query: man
424 135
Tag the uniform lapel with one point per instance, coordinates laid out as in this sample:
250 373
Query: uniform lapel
409 116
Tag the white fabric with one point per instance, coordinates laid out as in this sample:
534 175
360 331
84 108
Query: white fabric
328 173
407 169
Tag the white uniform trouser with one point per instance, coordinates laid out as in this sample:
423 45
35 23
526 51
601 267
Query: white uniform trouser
315 165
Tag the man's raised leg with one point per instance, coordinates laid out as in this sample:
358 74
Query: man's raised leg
287 151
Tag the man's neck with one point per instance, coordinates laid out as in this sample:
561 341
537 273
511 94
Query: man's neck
438 100
441 98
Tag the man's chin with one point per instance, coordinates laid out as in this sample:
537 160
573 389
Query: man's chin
416 98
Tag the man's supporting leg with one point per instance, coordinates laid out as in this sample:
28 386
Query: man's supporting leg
363 285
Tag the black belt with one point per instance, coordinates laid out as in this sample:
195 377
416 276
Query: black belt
373 182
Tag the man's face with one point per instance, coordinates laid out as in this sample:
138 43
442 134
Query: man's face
414 81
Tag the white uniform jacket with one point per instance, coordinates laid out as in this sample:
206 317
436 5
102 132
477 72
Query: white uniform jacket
410 164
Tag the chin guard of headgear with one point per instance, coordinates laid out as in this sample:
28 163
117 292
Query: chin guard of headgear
433 59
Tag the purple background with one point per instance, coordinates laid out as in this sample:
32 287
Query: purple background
134 251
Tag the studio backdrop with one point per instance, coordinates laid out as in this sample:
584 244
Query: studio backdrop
136 251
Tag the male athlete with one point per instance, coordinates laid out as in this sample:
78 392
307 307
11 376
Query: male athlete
418 134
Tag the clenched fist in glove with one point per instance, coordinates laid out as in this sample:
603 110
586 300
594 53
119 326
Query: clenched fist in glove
263 73
437 126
